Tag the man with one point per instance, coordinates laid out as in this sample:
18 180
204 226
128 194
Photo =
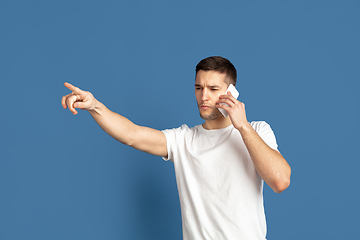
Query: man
220 165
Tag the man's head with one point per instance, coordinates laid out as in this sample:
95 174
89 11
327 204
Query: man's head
213 76
218 64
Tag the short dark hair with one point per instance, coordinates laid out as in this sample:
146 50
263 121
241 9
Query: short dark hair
218 64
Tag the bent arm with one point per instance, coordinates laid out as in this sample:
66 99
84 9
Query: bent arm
122 129
269 163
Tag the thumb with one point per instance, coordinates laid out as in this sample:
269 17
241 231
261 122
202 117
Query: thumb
80 105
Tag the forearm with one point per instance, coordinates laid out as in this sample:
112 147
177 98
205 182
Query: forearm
114 124
269 163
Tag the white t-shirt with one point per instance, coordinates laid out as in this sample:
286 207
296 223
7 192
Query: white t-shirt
221 194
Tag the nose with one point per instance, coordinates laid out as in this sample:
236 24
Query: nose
205 95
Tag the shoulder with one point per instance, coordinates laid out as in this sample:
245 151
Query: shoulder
182 130
262 128
265 132
177 139
259 125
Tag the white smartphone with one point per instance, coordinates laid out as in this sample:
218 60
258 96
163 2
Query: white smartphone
234 93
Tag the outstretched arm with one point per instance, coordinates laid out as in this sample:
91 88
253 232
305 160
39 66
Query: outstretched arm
122 129
269 163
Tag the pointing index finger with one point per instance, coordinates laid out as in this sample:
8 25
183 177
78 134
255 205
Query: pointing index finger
71 87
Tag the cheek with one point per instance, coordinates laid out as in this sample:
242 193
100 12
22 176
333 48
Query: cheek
198 97
217 96
196 94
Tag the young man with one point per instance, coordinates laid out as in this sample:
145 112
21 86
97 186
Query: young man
220 165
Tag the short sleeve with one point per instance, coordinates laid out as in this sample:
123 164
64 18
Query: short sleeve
266 133
173 137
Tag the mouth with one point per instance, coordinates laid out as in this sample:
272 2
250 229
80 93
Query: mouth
204 107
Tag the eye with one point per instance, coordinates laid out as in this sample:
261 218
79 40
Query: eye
214 89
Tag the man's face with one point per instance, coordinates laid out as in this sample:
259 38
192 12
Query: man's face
209 85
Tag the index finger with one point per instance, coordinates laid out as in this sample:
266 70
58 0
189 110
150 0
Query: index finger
72 88
226 95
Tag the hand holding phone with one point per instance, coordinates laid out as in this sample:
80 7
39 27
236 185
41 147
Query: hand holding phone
234 93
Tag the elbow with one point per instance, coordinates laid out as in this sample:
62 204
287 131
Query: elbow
281 184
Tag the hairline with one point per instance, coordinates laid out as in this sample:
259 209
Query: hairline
227 78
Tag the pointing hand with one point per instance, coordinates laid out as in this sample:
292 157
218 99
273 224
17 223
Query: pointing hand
78 99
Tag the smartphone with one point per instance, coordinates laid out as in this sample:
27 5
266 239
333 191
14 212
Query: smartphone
234 93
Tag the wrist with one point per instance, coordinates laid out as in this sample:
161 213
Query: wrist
96 107
244 127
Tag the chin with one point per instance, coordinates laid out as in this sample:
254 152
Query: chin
211 116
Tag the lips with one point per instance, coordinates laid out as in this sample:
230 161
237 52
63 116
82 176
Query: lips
204 107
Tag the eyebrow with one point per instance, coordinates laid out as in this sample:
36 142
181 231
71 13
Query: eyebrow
210 86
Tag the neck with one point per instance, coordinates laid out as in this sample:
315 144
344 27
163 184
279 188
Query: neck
218 123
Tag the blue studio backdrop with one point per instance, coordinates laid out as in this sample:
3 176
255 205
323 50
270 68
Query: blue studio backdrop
62 177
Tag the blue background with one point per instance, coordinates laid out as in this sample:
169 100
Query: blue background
62 177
